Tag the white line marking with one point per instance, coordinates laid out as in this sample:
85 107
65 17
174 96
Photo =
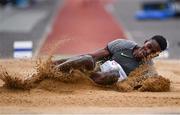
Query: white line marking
23 44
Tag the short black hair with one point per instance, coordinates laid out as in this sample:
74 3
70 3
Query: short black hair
161 41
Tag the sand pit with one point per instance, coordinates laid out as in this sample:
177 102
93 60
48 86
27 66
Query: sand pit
83 96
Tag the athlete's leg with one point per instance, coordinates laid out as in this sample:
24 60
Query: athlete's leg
59 61
79 62
105 78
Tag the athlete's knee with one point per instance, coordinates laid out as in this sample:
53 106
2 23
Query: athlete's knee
105 78
88 62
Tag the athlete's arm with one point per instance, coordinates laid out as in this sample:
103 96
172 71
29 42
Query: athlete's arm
102 53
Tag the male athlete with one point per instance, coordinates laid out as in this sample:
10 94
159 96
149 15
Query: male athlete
119 57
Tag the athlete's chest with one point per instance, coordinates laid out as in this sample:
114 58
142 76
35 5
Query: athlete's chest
126 59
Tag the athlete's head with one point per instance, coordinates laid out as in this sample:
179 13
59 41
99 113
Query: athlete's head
152 47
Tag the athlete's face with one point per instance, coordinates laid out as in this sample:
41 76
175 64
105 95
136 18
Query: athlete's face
150 49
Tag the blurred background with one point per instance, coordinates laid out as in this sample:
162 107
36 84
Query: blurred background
70 27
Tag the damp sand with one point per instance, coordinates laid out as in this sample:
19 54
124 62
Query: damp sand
54 90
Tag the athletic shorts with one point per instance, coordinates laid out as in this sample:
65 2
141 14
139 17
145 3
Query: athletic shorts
113 65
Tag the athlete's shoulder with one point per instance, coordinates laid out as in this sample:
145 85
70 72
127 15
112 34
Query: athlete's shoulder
123 40
120 44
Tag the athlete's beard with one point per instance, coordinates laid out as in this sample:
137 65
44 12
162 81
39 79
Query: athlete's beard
141 55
